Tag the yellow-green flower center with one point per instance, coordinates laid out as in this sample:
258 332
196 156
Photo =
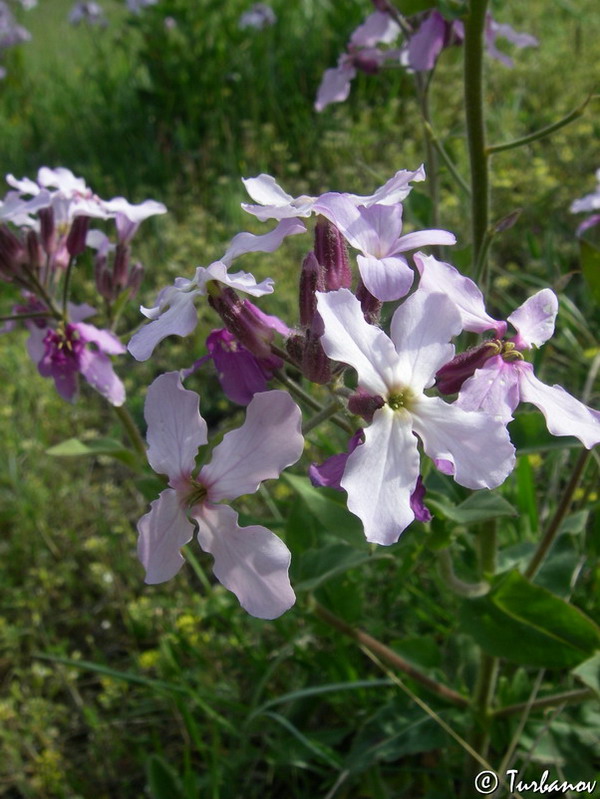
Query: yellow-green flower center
196 495
401 399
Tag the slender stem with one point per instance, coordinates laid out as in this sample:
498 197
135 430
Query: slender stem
303 396
389 656
131 429
32 315
454 583
452 168
568 697
326 413
475 122
41 291
559 515
67 284
542 132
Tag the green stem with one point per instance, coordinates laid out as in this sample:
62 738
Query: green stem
542 132
306 398
559 515
326 413
389 656
475 122
33 315
132 431
452 168
41 291
454 583
566 698
67 285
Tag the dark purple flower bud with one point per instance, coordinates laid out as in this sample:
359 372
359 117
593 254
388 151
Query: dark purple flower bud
332 254
364 404
47 229
12 252
371 306
329 473
34 250
134 281
252 328
311 281
366 62
76 238
316 366
121 266
294 346
452 375
417 504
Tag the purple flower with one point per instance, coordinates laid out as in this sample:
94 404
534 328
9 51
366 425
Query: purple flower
259 17
591 202
381 475
249 561
91 13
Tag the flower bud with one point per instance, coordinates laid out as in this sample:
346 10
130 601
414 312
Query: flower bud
316 366
12 252
47 229
332 254
294 346
452 375
241 320
364 404
34 250
311 281
136 274
76 238
371 306
121 266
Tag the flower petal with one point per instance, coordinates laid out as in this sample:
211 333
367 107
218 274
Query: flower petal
274 202
378 28
348 338
393 191
477 445
381 475
421 330
266 242
335 85
241 281
387 279
565 415
267 442
251 562
494 389
179 319
162 533
175 428
424 238
105 340
534 319
98 370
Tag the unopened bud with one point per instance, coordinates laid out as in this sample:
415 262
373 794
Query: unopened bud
121 266
46 216
242 322
294 346
364 404
11 252
371 306
316 366
34 250
76 239
311 281
136 274
332 254
452 375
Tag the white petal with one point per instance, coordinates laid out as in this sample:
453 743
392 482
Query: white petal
424 238
387 279
493 389
380 476
565 415
175 428
266 242
269 441
477 445
393 191
162 533
534 319
251 562
348 338
241 281
421 330
265 190
179 319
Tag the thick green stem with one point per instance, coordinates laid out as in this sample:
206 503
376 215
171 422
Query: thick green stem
475 122
559 515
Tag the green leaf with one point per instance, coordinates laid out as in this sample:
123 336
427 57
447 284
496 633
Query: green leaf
526 624
163 782
319 750
589 672
529 434
479 507
328 508
327 562
73 447
590 266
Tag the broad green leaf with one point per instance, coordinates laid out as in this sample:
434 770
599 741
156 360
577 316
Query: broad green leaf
479 507
73 447
529 434
328 508
321 565
525 623
590 266
589 672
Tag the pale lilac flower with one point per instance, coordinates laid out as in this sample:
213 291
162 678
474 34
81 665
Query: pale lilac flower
11 34
495 30
376 232
503 378
129 216
381 475
67 353
137 6
275 203
174 313
591 202
249 561
90 13
259 17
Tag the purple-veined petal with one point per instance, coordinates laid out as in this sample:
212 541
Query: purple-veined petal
378 28
98 370
534 319
162 533
417 502
175 428
437 276
240 373
329 473
241 281
477 445
348 338
388 278
179 319
373 230
335 84
266 242
427 43
565 415
393 191
105 340
421 330
494 389
381 475
269 441
251 562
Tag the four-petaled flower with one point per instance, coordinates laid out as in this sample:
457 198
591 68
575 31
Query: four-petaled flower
249 561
